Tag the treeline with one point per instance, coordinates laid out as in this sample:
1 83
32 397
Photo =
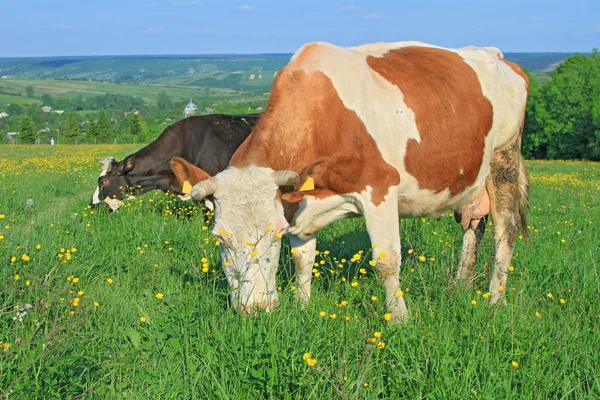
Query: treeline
563 116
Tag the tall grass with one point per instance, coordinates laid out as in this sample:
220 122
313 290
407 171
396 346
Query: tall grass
150 323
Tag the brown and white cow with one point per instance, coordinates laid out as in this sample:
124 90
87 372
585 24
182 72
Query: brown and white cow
385 130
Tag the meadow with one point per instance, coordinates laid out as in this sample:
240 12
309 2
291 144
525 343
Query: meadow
134 304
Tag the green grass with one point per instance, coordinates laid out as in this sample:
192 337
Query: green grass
193 346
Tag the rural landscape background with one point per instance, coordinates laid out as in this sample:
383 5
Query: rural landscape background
134 304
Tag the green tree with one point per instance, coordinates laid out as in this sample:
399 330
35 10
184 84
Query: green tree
29 91
46 99
103 127
164 101
572 104
92 130
535 141
137 126
71 126
27 133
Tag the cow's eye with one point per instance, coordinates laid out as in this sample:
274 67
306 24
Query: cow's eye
101 182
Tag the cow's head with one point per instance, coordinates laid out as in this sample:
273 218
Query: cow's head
113 182
249 222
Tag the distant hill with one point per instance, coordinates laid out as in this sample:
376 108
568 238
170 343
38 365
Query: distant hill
249 72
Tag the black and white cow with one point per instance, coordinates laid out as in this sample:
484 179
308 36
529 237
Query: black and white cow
205 141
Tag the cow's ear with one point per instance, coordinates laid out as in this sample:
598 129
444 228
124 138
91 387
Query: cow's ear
187 174
298 196
128 164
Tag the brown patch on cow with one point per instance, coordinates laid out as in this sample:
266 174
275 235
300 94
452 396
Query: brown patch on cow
519 71
185 171
452 115
306 122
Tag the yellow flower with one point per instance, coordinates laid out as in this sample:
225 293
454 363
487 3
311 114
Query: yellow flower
96 304
422 258
400 293
362 271
562 301
354 284
344 303
159 296
333 316
500 288
5 345
39 246
110 281
71 312
377 335
2 216
322 313
537 314
381 345
515 364
294 251
410 251
269 229
75 280
25 257
387 317
486 295
16 277
473 302
279 236
142 319
13 259
80 293
311 362
306 356
511 268
381 255
27 283
254 254
549 295
373 298
1 237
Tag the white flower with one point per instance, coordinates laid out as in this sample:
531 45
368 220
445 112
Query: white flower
29 202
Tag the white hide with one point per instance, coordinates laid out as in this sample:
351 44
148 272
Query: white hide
394 125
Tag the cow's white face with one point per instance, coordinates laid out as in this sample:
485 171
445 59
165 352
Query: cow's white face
113 204
249 222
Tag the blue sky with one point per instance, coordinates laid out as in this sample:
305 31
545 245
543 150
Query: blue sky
97 27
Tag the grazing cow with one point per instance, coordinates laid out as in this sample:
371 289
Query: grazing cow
206 141
384 130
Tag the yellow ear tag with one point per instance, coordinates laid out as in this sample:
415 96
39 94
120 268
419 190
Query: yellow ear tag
187 188
309 184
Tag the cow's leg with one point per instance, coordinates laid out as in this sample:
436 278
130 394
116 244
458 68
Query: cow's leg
383 227
468 256
303 255
508 186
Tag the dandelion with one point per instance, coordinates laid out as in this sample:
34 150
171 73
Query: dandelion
344 303
381 345
96 304
29 202
500 288
373 298
400 293
5 345
80 293
388 317
16 277
422 258
110 281
254 254
410 251
511 268
311 362
13 259
306 356
354 284
474 302
75 280
377 335
537 314
27 283
293 251
2 216
362 271
322 313
562 301
159 296
550 295
486 295
365 384
333 316
39 246
515 364
142 319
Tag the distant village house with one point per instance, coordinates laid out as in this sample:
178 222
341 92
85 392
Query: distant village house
46 109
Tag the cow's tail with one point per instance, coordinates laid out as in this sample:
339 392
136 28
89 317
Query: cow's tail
523 195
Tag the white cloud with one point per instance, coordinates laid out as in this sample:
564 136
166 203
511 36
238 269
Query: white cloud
156 29
374 15
266 34
597 28
186 3
246 7
62 26
349 8
536 18
480 29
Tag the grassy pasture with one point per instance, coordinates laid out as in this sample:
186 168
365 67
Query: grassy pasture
150 322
